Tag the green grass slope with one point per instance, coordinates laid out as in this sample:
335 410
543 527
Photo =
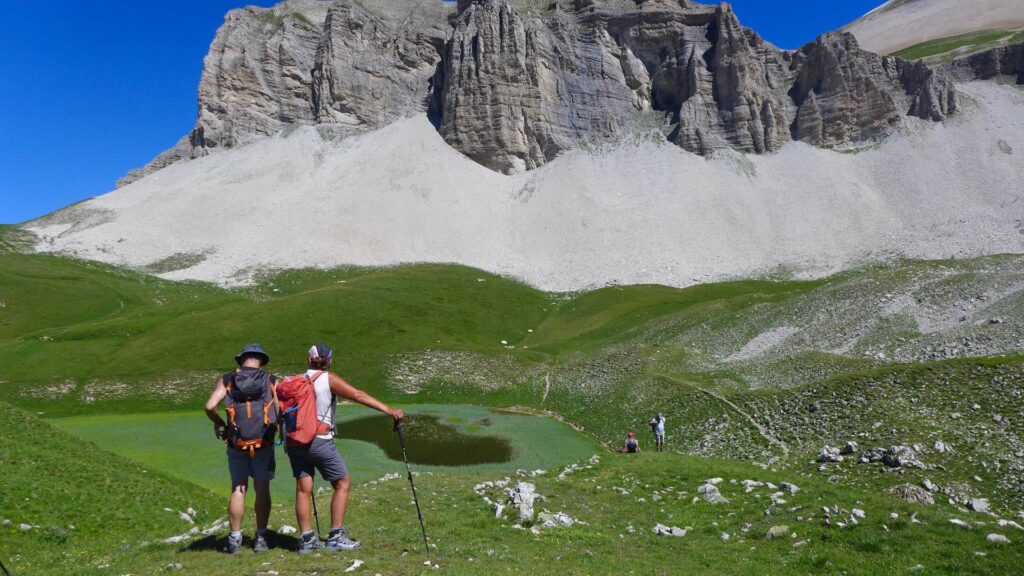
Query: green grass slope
81 507
757 371
116 508
948 49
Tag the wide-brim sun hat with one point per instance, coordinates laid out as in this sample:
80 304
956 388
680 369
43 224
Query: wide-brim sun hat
253 350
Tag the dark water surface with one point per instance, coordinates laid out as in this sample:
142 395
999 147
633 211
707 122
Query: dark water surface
428 441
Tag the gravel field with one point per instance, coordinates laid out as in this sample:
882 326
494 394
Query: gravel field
898 24
629 213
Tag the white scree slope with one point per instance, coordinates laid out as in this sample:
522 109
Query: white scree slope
634 213
898 24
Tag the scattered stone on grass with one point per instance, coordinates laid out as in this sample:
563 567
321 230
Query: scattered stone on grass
979 505
712 494
750 485
830 454
559 519
997 539
662 530
521 497
791 488
780 531
1010 523
913 494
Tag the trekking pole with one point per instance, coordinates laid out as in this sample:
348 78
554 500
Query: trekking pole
4 568
401 440
312 496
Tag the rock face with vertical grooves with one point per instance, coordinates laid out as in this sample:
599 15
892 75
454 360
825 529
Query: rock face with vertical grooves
514 83
520 90
1002 61
374 67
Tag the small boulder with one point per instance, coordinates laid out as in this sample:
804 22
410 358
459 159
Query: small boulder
914 494
997 539
899 456
712 494
830 454
791 488
750 485
850 448
979 505
522 497
662 530
777 532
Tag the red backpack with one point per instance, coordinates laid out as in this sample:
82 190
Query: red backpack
297 399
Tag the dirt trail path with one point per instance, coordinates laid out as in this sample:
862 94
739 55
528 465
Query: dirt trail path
764 432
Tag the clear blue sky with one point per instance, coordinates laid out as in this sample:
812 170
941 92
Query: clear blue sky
91 89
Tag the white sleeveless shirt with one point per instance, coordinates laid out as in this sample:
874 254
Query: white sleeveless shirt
325 402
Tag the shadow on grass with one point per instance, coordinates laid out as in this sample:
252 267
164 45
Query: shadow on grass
218 543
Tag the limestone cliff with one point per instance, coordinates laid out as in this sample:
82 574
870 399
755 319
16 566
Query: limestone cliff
518 91
1004 61
514 83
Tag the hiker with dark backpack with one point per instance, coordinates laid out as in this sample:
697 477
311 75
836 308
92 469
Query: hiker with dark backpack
307 404
249 399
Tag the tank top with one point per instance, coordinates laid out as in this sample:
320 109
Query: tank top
325 402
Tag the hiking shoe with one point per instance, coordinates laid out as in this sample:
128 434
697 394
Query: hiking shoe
234 545
339 540
310 545
260 545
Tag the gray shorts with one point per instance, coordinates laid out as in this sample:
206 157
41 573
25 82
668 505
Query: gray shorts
259 466
321 455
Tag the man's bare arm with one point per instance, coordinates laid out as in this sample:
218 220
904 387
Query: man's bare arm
349 392
216 397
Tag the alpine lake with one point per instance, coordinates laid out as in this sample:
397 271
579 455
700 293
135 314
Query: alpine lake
439 438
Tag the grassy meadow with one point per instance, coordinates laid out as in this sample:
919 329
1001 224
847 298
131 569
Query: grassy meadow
103 372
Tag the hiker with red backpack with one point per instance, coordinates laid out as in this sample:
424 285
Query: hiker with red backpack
307 405
248 396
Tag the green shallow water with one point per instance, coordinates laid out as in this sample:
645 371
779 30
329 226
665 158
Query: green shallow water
440 438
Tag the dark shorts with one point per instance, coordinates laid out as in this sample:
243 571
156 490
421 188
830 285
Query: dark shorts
260 466
321 455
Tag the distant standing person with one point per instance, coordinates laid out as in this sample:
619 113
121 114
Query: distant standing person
658 427
251 407
321 453
631 446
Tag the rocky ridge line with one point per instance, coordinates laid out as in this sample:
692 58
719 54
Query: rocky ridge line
512 86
